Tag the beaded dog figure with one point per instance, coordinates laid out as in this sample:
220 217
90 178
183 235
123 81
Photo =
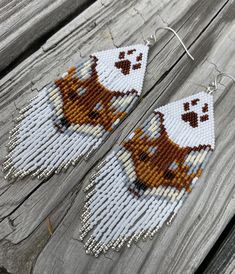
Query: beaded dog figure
72 116
81 105
144 182
159 161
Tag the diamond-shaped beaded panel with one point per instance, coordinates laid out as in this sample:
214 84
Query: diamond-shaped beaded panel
144 181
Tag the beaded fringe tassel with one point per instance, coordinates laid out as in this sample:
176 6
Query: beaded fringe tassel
143 182
73 115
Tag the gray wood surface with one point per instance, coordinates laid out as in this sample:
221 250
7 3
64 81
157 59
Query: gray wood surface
24 22
207 28
223 261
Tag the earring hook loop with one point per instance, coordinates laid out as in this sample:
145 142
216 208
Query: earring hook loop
153 39
213 86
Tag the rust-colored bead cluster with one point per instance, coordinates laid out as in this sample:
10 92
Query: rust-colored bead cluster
72 116
144 182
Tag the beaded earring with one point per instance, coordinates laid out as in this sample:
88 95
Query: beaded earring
72 116
143 182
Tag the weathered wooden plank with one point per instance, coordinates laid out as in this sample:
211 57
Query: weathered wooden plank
180 248
24 22
43 66
26 204
221 259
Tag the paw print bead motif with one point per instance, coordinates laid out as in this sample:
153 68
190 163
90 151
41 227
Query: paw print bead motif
193 117
125 65
149 175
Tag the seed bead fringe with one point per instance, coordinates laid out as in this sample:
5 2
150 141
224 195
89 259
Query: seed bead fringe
136 190
43 142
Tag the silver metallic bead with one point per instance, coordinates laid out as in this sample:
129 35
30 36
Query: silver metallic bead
23 174
32 99
92 178
12 146
168 223
14 129
8 175
88 154
88 196
50 171
100 165
24 109
66 166
89 186
87 243
35 173
7 165
41 176
73 163
20 118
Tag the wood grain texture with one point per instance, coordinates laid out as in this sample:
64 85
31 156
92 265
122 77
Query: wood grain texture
208 30
24 22
224 260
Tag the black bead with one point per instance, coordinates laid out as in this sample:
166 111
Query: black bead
140 185
143 156
73 95
93 114
64 122
169 175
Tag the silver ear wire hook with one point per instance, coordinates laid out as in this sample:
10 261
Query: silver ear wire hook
153 39
213 86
